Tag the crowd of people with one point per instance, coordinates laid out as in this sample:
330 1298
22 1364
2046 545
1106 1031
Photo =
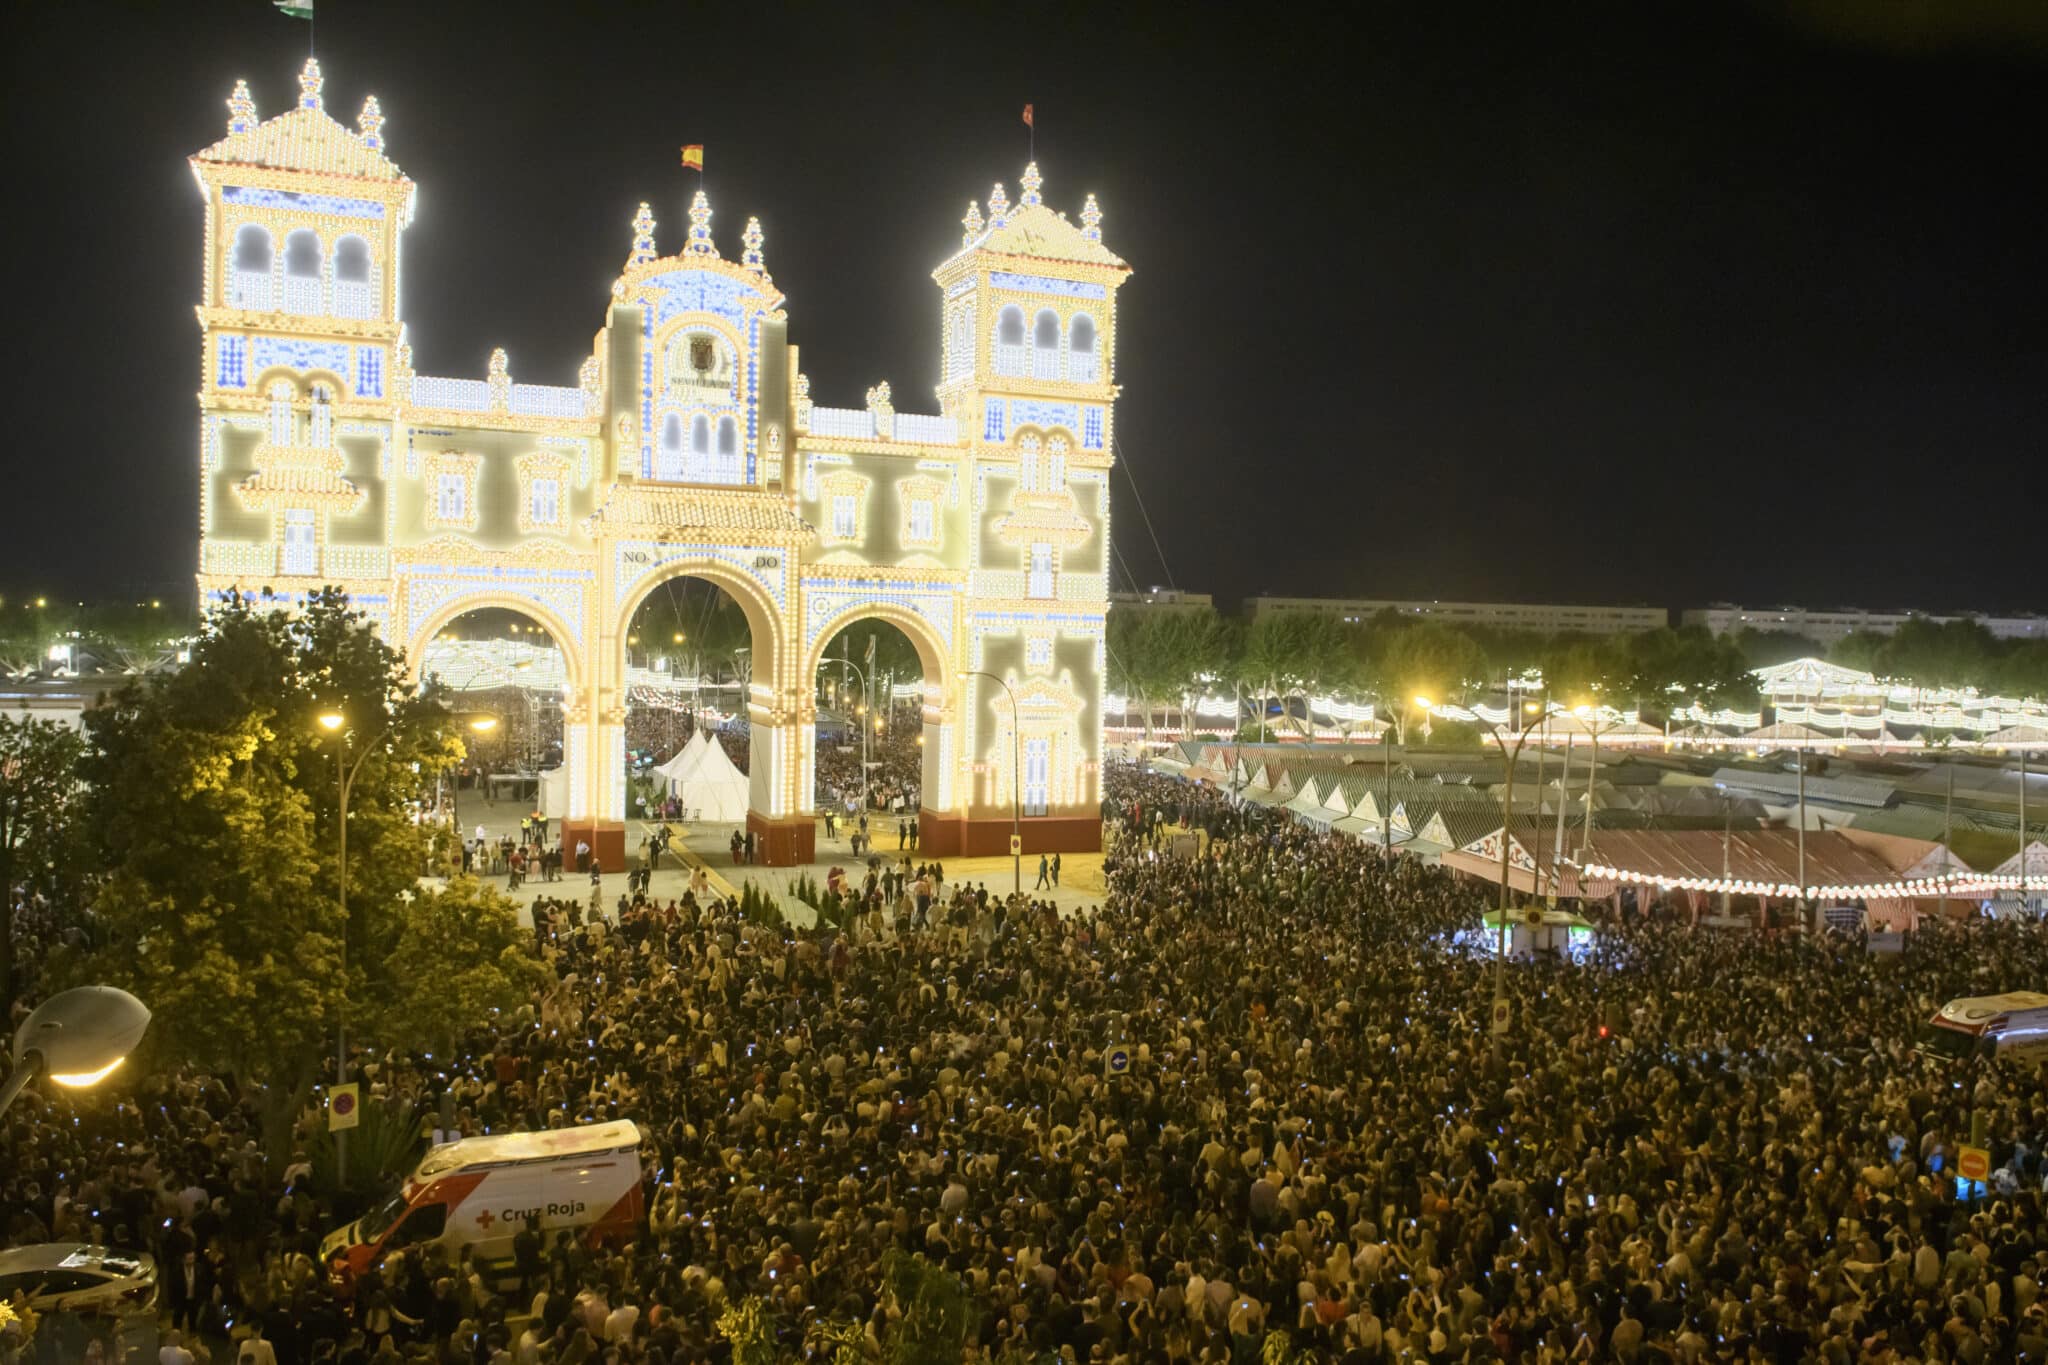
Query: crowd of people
1250 1108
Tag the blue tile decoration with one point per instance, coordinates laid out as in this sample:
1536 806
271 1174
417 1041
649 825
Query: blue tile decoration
298 354
304 203
1045 284
1034 412
232 371
369 371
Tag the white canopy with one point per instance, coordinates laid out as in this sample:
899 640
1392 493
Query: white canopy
714 789
685 760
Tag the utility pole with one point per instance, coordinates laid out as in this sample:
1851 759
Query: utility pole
1948 818
1564 786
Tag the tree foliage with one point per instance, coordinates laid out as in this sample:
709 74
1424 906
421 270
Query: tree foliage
213 803
461 957
39 802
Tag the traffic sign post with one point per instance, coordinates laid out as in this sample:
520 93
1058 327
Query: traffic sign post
1973 1163
1502 1012
1016 845
343 1111
1117 1062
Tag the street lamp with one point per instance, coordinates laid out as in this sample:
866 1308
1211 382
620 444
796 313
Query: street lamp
858 711
481 725
1387 808
336 724
1016 783
1507 807
76 1038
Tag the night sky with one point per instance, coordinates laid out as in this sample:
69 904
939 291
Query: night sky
1612 303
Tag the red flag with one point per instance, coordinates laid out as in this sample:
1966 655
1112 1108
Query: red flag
693 156
1027 118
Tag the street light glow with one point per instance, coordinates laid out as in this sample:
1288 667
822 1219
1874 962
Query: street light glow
331 721
80 1080
1424 702
483 723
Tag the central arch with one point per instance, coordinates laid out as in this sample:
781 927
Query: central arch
771 710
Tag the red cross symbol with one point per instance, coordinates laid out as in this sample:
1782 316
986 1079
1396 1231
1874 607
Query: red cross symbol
484 1220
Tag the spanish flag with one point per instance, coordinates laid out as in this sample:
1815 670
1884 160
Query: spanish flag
693 157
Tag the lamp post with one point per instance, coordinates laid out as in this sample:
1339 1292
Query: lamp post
480 724
860 719
76 1038
1589 716
1507 806
1016 783
1387 793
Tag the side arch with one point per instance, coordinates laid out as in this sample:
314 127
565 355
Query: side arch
933 654
559 631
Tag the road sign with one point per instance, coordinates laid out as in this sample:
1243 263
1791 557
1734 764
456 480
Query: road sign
1973 1163
1501 1014
1016 844
343 1110
1117 1062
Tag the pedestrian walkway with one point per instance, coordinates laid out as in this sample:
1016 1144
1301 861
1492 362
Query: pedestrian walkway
709 845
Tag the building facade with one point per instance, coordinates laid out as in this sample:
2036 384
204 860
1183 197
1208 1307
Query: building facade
689 445
1830 626
1496 615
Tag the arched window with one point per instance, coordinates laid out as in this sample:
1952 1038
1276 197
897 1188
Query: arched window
1027 463
670 463
700 436
1081 361
249 269
280 412
728 451
1045 345
302 258
1010 341
352 293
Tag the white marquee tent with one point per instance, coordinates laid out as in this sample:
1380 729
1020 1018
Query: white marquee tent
684 762
713 789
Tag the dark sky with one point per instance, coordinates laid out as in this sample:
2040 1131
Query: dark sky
1631 303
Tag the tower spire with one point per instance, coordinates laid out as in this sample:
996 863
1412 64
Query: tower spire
371 123
998 206
310 82
241 109
700 243
1091 220
1030 183
971 225
750 257
643 237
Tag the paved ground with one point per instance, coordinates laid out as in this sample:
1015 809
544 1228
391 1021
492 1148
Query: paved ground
710 844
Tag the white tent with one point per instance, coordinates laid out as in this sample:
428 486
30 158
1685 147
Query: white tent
554 792
714 788
684 762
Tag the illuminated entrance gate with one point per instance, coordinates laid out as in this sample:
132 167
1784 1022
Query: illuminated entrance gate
690 445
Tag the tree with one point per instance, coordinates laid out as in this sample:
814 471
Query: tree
1427 659
213 800
1938 654
460 958
1290 654
1860 649
2023 671
138 637
1768 648
26 633
39 801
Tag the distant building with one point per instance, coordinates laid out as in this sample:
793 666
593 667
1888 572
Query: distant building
1830 626
1498 615
1168 598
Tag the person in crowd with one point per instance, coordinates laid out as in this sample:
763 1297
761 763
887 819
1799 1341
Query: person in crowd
1251 1093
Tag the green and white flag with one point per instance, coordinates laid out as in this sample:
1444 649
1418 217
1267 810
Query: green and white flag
297 9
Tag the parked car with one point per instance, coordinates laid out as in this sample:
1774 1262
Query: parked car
73 1277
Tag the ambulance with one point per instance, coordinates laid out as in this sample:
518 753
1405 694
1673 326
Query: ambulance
480 1191
2011 1027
